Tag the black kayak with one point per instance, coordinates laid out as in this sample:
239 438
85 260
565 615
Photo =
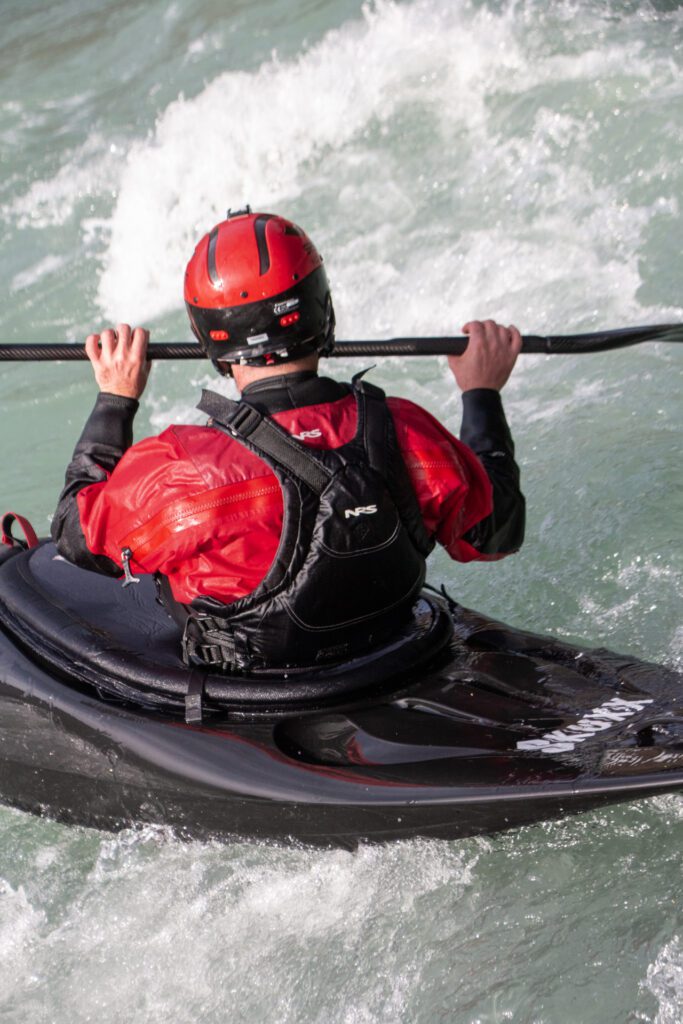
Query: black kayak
460 726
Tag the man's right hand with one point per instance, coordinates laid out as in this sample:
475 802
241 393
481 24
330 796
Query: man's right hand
489 358
119 359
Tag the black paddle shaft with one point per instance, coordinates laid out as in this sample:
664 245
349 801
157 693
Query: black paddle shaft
568 344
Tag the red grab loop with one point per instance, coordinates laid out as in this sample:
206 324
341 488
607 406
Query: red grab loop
29 533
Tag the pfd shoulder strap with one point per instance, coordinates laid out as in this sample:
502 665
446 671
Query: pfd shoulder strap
378 435
375 427
241 421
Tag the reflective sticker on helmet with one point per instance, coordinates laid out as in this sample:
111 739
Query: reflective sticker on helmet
285 307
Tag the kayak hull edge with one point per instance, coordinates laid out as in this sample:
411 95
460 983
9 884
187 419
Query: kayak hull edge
67 756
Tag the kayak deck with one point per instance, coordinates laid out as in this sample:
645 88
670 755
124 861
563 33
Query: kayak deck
493 729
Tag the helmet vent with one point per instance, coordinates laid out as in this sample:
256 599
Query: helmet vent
262 244
216 279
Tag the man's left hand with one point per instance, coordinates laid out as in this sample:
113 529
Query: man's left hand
490 355
119 360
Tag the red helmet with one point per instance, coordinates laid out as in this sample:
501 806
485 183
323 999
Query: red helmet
257 293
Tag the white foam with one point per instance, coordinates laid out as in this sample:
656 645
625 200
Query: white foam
237 922
43 268
640 588
670 807
665 981
90 171
676 650
20 926
529 232
248 136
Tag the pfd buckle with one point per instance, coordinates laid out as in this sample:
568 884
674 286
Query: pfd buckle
126 556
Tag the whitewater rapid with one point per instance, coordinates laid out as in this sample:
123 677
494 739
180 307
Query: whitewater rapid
511 158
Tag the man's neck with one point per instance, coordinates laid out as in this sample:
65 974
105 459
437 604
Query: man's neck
246 375
271 395
282 381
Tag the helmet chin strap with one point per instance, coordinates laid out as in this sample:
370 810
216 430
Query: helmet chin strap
223 367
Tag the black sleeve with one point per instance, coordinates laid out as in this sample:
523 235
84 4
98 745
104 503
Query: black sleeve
107 434
485 430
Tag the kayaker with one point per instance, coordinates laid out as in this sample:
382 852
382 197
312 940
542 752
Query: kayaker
293 528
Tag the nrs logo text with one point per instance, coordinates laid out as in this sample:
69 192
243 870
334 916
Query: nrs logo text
360 510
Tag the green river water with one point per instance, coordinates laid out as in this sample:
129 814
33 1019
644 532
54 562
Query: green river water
452 159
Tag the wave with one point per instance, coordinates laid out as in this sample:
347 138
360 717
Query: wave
447 156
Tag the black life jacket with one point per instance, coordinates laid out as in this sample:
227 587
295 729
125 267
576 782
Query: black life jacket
351 557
